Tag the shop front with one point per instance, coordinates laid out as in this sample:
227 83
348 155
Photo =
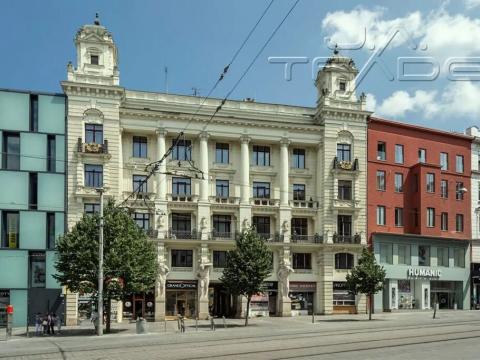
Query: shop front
475 286
271 288
343 300
141 305
302 295
181 298
220 302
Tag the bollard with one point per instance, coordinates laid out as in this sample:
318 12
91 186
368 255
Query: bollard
141 326
212 323
313 318
9 325
178 322
224 322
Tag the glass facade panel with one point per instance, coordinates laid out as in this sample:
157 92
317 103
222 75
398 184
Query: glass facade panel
51 188
33 150
14 111
51 114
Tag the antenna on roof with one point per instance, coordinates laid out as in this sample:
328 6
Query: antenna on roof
97 20
166 79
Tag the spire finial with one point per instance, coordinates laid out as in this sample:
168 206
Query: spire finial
335 50
97 20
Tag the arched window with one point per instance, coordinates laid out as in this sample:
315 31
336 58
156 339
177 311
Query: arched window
343 261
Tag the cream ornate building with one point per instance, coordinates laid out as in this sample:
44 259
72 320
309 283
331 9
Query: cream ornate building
298 174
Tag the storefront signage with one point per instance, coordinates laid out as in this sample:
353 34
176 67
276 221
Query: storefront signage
303 286
183 285
4 293
270 285
416 272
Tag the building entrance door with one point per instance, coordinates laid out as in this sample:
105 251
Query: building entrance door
139 308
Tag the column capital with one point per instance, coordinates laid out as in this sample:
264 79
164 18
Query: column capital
203 135
245 139
161 132
284 141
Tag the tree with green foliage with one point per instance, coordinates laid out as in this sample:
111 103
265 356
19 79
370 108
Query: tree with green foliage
366 278
247 267
130 260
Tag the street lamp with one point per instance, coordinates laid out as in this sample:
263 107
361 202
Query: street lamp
100 267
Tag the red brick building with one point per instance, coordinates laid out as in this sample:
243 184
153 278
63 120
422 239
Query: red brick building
419 212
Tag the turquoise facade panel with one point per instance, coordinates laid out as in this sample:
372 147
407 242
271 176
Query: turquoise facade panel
60 153
33 151
19 300
33 230
51 283
13 269
14 194
14 111
59 225
51 189
1 148
51 114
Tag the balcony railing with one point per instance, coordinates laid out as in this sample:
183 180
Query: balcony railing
183 234
304 204
225 200
92 148
345 165
152 233
182 197
271 237
346 239
306 239
264 202
221 235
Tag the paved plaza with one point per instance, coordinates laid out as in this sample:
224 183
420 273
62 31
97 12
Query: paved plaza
454 334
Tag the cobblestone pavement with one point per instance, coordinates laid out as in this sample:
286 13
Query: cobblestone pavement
453 335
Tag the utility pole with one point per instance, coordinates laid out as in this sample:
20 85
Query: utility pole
100 268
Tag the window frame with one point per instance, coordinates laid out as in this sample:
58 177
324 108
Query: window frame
379 175
427 255
51 153
422 155
302 261
143 218
444 221
183 183
5 229
142 181
261 187
381 155
299 192
430 182
140 147
10 160
219 259
344 261
398 189
261 155
443 164
345 190
399 220
222 188
181 150
182 258
459 167
222 153
459 223
298 158
381 215
93 174
399 147
344 152
444 189
430 223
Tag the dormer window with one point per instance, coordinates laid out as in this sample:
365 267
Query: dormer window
94 59
342 86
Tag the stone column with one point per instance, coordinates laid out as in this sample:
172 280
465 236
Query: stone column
284 172
160 286
161 177
245 171
204 166
325 284
284 307
203 276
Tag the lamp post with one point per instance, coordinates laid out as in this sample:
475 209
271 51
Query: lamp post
100 268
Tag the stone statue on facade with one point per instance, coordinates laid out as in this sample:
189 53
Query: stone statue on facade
283 274
245 224
203 276
285 226
163 271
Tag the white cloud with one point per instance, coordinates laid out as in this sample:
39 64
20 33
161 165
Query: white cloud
471 4
371 102
401 102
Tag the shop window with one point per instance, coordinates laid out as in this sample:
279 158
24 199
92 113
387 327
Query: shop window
386 253
399 154
459 258
442 257
381 183
261 155
219 259
423 255
381 151
344 190
139 146
93 134
299 192
405 295
93 176
344 152
10 229
302 261
182 258
222 153
341 295
343 261
404 254
181 186
11 151
261 190
299 158
222 188
182 150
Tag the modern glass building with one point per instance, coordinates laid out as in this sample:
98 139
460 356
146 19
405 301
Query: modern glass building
32 201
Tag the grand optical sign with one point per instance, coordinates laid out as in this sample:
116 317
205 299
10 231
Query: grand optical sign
426 273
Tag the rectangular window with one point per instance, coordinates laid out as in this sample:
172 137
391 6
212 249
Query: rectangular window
50 230
181 186
140 184
93 134
444 189
442 256
386 253
430 217
381 183
37 269
343 261
140 146
422 156
459 258
381 151
261 190
219 259
398 182
33 113
459 190
423 255
381 216
298 191
444 161
10 229
91 208
404 254
182 258
399 154
344 225
33 191
444 221
299 227
342 86
398 216
94 59
430 182
459 164
182 150
93 176
302 261
222 153
142 220
51 153
222 188
222 224
181 224
344 189
11 151
344 152
299 158
459 223
262 225
261 155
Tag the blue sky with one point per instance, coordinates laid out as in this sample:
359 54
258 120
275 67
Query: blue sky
196 39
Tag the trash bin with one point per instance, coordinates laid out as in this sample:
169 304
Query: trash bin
455 307
141 326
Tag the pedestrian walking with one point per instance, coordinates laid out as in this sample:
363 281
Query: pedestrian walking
38 324
45 324
94 320
53 322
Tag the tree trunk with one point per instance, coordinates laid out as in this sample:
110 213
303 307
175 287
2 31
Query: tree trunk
108 307
249 298
370 306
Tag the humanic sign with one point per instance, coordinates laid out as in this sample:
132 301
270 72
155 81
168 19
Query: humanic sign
415 272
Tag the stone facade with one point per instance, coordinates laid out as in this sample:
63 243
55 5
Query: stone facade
267 148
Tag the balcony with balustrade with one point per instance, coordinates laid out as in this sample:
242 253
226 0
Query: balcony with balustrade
306 239
265 202
346 239
184 234
224 201
348 166
92 148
